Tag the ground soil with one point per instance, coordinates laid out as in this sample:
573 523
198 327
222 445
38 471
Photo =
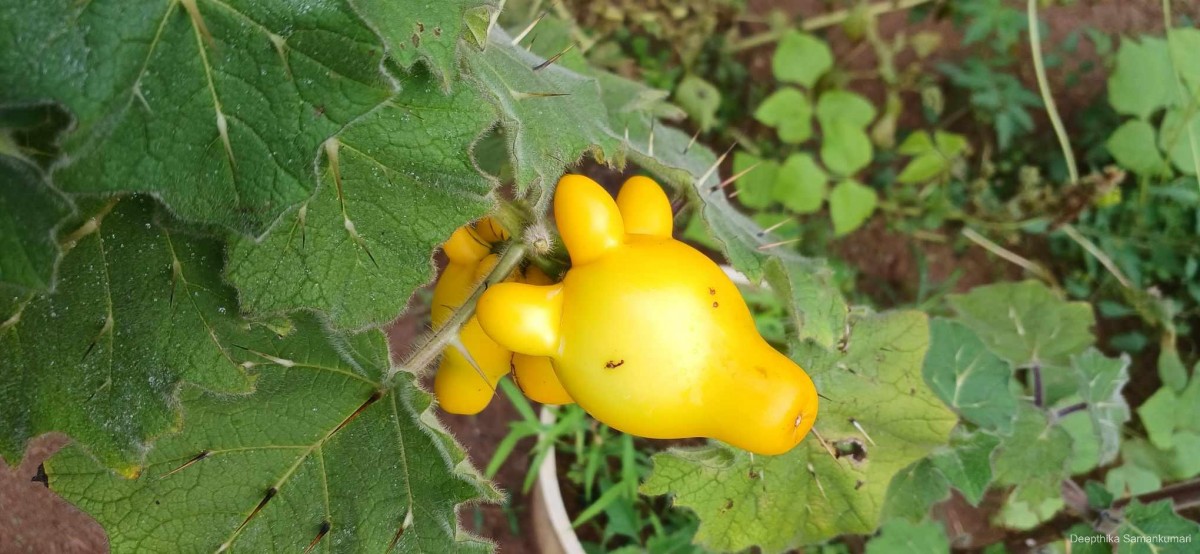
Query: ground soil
34 520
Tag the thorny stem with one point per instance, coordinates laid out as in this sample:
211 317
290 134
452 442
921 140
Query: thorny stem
432 348
825 20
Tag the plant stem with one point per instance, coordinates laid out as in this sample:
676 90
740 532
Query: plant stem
1097 253
1039 391
1009 255
432 348
1064 412
822 21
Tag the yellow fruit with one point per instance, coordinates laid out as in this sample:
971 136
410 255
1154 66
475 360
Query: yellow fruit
534 375
646 333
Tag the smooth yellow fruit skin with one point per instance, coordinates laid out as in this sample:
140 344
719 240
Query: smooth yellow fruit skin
649 335
535 376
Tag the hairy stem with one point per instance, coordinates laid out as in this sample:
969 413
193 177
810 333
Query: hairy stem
432 348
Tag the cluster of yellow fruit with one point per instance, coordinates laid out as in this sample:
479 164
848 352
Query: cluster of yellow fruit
646 333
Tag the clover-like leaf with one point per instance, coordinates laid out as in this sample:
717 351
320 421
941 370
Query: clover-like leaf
395 185
801 185
1134 147
700 99
801 58
789 112
879 416
551 114
1026 323
1177 140
968 377
843 105
322 455
756 186
139 307
846 148
216 107
1143 80
850 205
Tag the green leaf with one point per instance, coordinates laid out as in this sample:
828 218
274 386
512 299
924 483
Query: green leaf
400 186
320 441
1156 528
801 58
913 491
1134 147
424 31
755 187
1131 480
551 114
900 536
1170 367
1158 415
843 105
850 205
139 307
932 156
745 501
923 168
789 112
968 377
817 309
846 148
1100 382
1185 42
967 463
1176 140
1143 80
1026 323
1034 459
1181 461
30 213
216 108
700 99
1085 442
801 184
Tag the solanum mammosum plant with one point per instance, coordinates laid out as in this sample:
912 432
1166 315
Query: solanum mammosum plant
648 334
212 210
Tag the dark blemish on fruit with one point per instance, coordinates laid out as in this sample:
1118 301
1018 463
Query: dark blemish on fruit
712 291
611 364
715 304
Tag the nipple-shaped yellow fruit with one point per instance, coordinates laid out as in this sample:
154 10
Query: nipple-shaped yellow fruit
646 333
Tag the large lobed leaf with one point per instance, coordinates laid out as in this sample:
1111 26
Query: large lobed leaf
30 213
879 416
320 454
395 185
139 307
215 106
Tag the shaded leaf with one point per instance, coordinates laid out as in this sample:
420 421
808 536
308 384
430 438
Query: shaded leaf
1101 380
217 108
1143 80
320 441
425 31
1034 459
402 182
1026 323
1150 524
30 213
968 377
900 536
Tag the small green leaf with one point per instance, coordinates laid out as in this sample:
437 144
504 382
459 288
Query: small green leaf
968 377
1185 42
1034 459
755 188
843 105
1026 323
916 144
1085 442
1100 381
1143 80
967 464
846 148
801 58
1158 415
902 537
1170 367
790 112
913 491
923 168
817 309
1134 147
1176 140
1130 480
801 184
700 99
850 205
